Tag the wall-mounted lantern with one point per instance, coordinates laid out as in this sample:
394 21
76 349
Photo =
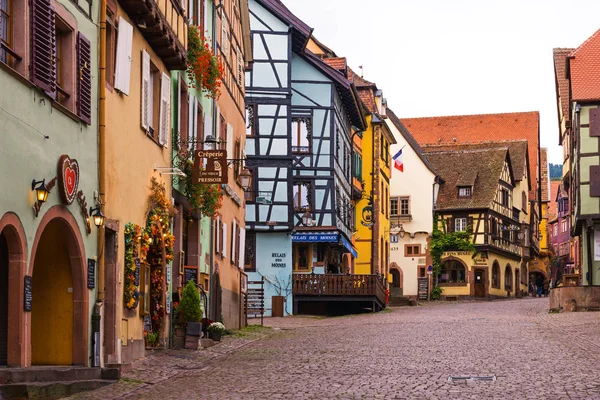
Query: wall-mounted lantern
41 191
97 216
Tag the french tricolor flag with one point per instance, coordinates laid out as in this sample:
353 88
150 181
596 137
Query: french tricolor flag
398 163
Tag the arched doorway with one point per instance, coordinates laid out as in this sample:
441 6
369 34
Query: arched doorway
536 278
216 295
508 280
60 314
52 305
397 284
4 260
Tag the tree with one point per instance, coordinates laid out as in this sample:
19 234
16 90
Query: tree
190 308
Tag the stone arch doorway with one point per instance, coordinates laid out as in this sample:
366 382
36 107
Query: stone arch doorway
59 315
536 278
397 286
13 263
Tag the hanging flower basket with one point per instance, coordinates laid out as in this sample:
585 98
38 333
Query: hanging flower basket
205 70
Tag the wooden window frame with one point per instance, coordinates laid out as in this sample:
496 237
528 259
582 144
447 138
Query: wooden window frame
298 149
397 201
250 243
17 43
496 282
222 133
456 224
296 257
508 280
465 191
65 58
452 283
250 118
308 187
400 200
111 48
412 248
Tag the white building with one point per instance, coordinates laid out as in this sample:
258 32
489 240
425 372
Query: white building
413 190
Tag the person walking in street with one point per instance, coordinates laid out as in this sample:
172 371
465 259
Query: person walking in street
545 287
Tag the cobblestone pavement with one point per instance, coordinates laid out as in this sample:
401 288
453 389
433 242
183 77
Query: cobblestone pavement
408 353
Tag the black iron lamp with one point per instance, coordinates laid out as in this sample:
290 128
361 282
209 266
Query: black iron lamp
210 142
246 179
41 191
97 215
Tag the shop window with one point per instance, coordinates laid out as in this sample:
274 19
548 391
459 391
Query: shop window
452 271
302 256
301 134
496 275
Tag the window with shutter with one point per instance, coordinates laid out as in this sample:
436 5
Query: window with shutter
111 47
225 37
5 28
123 58
146 91
165 111
233 242
84 81
218 235
191 122
43 45
240 68
200 124
595 122
595 180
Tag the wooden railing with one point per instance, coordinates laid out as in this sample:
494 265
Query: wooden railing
339 285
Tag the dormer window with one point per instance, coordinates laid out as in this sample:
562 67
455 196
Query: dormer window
464 191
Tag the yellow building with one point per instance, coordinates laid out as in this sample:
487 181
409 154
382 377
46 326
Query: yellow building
484 192
373 209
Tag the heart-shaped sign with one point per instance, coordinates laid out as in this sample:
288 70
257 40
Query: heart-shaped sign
68 176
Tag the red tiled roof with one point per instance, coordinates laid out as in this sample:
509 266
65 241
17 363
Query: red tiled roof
338 63
585 70
481 128
562 83
358 80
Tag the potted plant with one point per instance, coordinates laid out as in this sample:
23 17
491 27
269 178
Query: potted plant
216 329
190 312
151 339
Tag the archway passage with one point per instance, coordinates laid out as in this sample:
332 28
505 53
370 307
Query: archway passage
52 304
4 265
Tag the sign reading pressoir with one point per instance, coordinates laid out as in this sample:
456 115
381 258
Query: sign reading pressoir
210 166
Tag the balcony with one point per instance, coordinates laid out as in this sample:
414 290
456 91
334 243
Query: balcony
366 290
162 24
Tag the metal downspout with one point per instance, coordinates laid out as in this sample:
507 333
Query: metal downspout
101 144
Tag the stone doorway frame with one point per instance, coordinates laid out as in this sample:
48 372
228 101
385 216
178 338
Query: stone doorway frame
77 259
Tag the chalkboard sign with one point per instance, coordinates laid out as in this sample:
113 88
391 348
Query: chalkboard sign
423 288
136 274
190 274
147 323
91 273
27 295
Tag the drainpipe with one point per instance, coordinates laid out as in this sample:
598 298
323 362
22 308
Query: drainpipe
373 239
101 143
590 258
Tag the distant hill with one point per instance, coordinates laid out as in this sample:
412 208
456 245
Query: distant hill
555 171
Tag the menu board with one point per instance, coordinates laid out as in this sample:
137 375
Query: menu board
136 274
91 273
27 294
190 274
423 288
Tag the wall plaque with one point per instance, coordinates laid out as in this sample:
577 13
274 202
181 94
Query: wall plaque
27 294
91 273
68 178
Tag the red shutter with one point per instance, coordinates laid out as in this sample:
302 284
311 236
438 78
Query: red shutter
43 45
595 122
84 79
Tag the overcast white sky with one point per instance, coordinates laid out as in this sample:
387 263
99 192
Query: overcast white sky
454 57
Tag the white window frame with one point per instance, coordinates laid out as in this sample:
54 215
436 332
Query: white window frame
400 201
465 191
460 224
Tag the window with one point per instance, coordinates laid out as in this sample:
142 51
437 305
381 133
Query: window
394 206
222 132
302 197
302 256
508 278
555 230
452 271
564 226
464 191
496 276
111 47
405 206
249 254
460 224
411 250
5 28
505 197
237 154
301 128
357 167
63 53
250 124
524 202
422 272
387 203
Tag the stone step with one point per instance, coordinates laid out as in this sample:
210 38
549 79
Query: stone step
399 301
49 390
50 374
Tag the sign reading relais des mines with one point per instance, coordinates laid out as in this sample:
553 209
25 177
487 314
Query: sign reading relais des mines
210 166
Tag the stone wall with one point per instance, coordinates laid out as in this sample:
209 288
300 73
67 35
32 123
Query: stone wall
575 298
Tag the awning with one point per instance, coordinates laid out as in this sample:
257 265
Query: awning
325 237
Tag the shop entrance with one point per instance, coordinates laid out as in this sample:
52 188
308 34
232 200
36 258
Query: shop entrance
4 264
479 283
52 305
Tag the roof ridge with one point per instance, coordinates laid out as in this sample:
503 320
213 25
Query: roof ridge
589 39
473 115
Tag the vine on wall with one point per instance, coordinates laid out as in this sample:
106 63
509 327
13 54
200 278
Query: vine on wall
205 199
136 246
441 242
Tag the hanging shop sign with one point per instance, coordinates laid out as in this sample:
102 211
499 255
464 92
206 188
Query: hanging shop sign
367 216
68 178
210 166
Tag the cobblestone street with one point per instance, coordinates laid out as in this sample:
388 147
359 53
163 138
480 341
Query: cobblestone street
408 353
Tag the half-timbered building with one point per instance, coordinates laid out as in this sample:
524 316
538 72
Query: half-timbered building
480 194
300 113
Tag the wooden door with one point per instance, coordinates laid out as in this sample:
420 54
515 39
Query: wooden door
3 300
479 283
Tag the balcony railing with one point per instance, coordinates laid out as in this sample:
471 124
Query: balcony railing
339 285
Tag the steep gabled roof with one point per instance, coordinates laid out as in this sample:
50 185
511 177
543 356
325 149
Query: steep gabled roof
344 87
584 68
300 31
337 63
486 164
553 205
409 138
477 128
562 83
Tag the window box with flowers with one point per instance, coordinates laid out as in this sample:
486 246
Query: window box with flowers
205 70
